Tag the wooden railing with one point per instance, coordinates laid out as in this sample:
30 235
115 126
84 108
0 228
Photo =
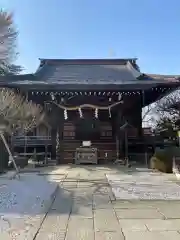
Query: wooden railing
30 140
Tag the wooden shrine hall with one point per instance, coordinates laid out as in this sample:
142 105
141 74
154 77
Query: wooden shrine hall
88 101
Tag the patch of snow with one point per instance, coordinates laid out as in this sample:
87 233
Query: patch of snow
143 185
21 201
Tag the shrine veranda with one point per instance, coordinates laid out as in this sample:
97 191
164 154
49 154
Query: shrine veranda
91 100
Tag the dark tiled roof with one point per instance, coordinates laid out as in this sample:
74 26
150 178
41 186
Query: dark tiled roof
19 77
168 78
88 71
93 74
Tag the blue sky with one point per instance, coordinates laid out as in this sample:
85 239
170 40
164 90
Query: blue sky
146 29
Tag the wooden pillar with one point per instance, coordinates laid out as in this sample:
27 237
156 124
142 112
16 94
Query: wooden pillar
53 142
142 104
117 134
59 139
55 121
59 146
117 147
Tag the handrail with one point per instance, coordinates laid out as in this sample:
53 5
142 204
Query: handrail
31 137
31 140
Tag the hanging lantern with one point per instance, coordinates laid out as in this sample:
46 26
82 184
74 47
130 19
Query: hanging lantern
96 113
80 113
65 114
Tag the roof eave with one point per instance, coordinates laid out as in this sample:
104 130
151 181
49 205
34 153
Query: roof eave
89 87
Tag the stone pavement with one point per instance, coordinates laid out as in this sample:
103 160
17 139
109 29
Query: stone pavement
85 208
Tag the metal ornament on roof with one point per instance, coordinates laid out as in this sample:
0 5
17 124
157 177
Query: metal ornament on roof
92 93
119 94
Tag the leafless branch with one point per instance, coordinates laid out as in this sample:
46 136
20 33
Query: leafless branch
169 105
18 113
146 111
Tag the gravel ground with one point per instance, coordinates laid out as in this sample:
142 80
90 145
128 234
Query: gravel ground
23 200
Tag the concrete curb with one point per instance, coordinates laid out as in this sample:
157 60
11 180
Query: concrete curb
12 174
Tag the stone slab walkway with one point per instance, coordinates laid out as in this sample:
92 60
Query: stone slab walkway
85 208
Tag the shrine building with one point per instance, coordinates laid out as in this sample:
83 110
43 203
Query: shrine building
88 101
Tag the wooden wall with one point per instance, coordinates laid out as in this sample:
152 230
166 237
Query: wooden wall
105 144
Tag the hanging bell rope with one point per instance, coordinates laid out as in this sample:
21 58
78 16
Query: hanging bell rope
86 106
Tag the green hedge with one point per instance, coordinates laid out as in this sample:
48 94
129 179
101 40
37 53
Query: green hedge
162 159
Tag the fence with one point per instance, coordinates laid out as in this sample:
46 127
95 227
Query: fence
30 140
36 148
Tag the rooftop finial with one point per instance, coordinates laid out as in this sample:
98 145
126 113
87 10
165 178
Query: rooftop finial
112 53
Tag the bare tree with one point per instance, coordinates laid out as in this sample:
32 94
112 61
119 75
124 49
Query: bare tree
148 115
19 113
8 38
164 111
16 113
169 105
168 112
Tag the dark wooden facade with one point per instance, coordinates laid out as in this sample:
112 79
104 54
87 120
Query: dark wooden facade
64 84
105 144
64 133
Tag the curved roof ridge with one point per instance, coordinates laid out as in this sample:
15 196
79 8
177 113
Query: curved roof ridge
134 70
88 61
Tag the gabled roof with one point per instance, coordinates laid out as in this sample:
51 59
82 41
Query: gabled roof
96 71
87 71
89 74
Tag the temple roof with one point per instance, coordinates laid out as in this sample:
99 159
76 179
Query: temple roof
93 74
168 78
87 71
